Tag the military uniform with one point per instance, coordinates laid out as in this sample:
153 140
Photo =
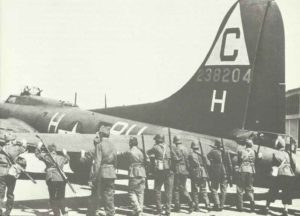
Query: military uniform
105 165
198 177
55 182
163 174
245 174
283 181
137 177
93 200
218 175
181 174
7 181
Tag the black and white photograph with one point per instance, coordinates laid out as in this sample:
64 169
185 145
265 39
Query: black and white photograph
149 107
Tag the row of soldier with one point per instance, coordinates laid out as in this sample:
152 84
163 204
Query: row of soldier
173 165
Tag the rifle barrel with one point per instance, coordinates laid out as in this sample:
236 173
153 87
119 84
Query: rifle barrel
144 152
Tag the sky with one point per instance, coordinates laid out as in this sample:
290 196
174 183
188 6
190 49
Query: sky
134 51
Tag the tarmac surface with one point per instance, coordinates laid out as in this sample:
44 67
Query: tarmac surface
32 199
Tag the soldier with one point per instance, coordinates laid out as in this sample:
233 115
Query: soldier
245 174
181 174
198 175
10 152
163 174
105 166
88 158
220 163
137 176
55 182
283 177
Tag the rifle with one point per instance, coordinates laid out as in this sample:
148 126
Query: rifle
145 162
12 162
205 165
171 148
228 174
61 172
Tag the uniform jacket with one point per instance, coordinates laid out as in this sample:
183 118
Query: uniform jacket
246 160
158 152
136 162
281 159
182 162
218 163
52 174
196 162
105 160
13 150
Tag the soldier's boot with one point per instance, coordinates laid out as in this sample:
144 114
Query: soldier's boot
252 206
158 202
55 208
177 201
222 201
207 205
239 205
216 207
9 207
191 206
177 207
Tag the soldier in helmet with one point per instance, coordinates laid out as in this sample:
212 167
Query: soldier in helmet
9 172
137 175
105 170
163 174
181 174
282 179
220 164
55 182
245 174
198 175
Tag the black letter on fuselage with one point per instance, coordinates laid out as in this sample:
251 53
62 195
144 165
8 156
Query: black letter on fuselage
232 57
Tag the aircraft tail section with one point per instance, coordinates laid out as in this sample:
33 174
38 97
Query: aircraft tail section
240 84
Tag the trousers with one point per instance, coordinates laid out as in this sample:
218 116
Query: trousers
201 184
166 178
180 188
244 185
56 191
7 183
283 183
136 193
223 184
106 192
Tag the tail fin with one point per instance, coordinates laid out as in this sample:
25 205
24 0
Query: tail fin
240 84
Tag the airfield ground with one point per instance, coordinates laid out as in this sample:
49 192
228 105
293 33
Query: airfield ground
33 200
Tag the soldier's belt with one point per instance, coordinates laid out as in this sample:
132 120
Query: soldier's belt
136 164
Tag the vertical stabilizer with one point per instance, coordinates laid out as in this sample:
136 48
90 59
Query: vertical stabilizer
240 84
